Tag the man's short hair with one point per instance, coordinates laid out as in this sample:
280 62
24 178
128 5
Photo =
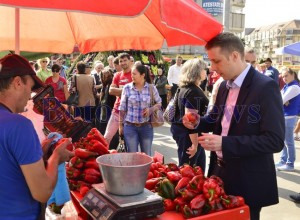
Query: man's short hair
228 43
81 67
123 55
179 57
116 60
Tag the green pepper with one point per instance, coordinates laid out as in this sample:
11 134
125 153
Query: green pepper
167 189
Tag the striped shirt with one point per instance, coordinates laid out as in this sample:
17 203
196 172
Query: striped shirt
136 102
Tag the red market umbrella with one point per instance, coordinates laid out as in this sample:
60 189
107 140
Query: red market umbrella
56 26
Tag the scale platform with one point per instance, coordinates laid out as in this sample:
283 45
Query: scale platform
103 205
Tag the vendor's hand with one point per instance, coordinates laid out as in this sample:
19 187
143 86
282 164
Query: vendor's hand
189 124
210 142
46 143
61 151
192 150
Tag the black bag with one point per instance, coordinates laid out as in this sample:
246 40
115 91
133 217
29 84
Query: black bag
74 97
121 147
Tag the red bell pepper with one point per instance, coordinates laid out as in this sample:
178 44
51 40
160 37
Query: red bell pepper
151 183
230 201
82 183
182 184
180 203
84 154
169 205
187 171
218 180
97 146
91 171
83 190
91 163
73 173
174 176
196 183
76 162
153 166
72 184
190 213
187 194
91 178
198 170
217 206
198 202
150 175
94 134
211 189
173 167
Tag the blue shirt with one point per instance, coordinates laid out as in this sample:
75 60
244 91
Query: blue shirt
19 145
133 102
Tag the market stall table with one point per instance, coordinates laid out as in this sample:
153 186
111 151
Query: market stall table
240 213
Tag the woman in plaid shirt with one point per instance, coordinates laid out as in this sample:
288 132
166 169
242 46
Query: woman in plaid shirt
135 110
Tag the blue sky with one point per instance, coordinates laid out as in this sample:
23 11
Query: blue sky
266 12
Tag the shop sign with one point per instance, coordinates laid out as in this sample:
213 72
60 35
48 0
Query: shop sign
213 7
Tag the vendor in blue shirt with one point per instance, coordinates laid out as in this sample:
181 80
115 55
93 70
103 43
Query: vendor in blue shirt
25 181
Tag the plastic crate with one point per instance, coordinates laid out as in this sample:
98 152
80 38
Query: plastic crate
240 213
57 118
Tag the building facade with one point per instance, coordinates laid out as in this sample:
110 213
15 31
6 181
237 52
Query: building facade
227 12
265 40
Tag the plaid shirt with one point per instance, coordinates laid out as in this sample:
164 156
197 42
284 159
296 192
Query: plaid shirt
137 101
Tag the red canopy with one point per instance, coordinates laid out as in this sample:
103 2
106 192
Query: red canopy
140 25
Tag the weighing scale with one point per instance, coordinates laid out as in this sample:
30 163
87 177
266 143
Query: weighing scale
103 205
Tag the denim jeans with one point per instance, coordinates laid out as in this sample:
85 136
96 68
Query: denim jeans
142 135
288 155
183 141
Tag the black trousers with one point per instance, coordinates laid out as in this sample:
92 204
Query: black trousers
173 89
255 213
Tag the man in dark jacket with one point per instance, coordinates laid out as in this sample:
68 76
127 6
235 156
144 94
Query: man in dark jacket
247 127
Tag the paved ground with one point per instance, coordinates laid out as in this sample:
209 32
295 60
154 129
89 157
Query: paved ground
288 182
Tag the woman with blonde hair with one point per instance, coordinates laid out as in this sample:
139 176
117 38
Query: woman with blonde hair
190 98
43 72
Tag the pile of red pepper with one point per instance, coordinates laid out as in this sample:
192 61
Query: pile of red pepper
185 189
82 169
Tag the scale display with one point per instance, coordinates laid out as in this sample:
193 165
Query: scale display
103 205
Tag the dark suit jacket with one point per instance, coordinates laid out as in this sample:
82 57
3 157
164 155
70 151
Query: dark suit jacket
256 132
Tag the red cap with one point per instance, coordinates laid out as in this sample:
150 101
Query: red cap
14 65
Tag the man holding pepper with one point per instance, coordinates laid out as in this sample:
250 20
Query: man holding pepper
25 181
247 127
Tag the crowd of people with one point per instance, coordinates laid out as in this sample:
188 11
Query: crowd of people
234 121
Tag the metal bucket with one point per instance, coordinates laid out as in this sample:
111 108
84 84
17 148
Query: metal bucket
124 173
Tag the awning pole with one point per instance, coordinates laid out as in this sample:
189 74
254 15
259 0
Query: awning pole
17 31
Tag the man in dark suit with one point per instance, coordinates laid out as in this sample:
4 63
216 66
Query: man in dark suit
247 123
